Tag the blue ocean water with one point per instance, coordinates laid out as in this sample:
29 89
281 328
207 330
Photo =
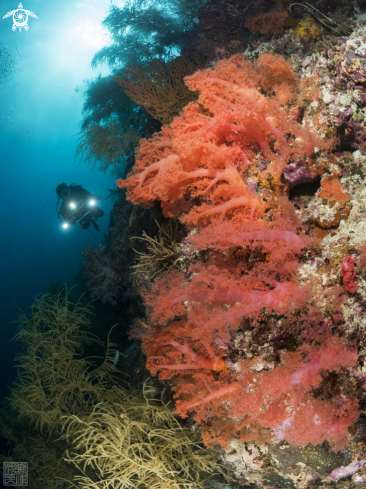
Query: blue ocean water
40 113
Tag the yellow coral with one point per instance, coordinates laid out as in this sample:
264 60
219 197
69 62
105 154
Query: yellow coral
307 30
269 181
77 427
163 253
53 378
135 443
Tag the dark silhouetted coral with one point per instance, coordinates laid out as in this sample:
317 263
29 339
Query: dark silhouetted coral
159 87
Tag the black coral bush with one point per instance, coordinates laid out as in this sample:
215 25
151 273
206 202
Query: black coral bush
74 423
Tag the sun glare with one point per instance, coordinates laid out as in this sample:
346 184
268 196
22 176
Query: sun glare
87 35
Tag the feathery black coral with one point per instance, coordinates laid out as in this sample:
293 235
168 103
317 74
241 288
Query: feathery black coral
77 427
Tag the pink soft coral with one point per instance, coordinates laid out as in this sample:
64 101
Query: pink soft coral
210 148
348 273
201 169
279 398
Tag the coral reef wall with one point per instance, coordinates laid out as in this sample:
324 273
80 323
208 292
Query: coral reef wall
259 335
235 260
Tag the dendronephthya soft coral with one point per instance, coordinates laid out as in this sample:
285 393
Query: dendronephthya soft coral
217 168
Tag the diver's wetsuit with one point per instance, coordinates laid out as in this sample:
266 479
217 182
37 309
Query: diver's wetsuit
82 213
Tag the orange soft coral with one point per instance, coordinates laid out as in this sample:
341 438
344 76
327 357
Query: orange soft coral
210 148
333 191
206 169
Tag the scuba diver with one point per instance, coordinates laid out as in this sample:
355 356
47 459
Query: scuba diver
78 207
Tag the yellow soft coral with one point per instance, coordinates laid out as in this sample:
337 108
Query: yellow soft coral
307 30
